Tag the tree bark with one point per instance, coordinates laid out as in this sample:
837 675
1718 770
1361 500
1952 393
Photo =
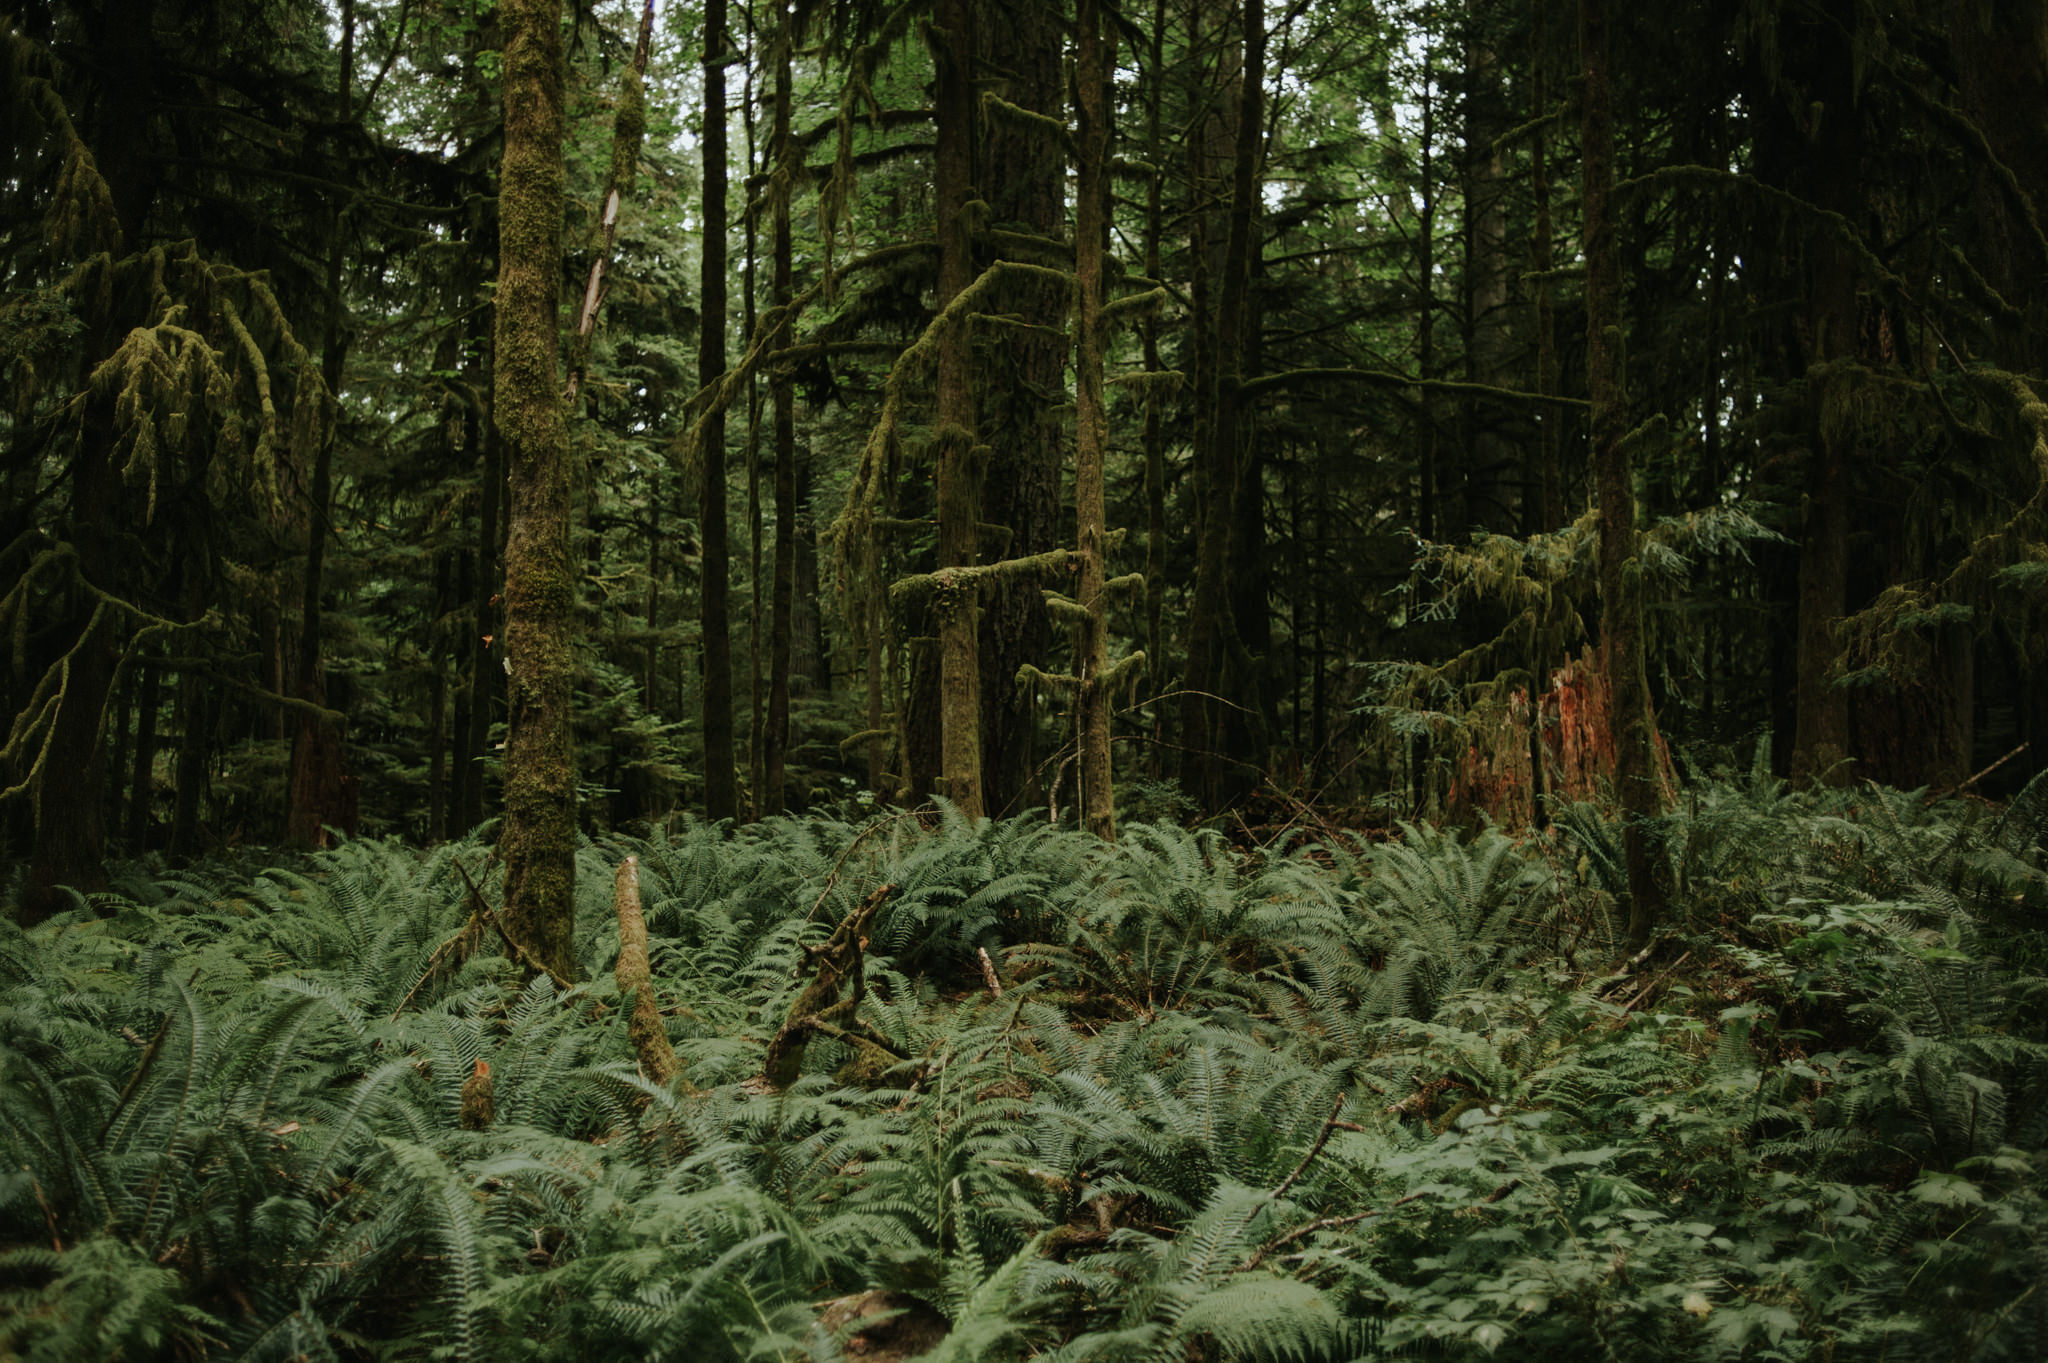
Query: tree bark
1821 744
1154 438
1633 730
142 779
775 741
538 840
1019 397
1212 630
958 506
317 796
1091 423
721 778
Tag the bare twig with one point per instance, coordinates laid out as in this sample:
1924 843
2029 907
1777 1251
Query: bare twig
1322 1139
1962 786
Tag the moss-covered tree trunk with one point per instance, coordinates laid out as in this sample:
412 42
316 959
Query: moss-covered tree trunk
958 504
1019 393
721 782
1091 422
538 841
1633 731
782 607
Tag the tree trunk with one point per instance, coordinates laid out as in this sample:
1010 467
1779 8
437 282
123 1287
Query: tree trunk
437 710
1211 628
538 840
1633 731
721 771
958 506
195 744
1091 422
316 797
1490 501
142 779
1018 396
1820 745
770 798
1155 424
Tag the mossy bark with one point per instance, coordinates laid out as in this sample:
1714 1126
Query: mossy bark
635 975
1019 396
958 505
775 738
1633 732
721 782
538 840
1092 66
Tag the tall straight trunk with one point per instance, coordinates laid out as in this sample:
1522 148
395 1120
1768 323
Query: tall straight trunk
1212 632
1020 51
195 742
1187 761
538 841
1820 744
1548 479
872 628
958 506
70 778
142 778
1428 521
1154 438
775 741
485 648
1489 492
1091 420
437 711
70 775
316 795
650 610
757 712
721 778
1632 727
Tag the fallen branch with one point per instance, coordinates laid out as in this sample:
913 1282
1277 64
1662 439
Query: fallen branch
821 1009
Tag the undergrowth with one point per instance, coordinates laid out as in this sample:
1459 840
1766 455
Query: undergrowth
1407 1099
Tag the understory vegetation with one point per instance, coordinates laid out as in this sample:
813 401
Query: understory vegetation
1318 1099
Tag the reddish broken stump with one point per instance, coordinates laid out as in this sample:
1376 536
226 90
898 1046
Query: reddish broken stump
1496 775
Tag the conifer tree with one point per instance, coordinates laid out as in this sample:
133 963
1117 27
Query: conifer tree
538 842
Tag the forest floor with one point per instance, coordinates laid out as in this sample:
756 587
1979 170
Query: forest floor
1047 1098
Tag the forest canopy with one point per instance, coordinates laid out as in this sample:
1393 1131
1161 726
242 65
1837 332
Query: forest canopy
1322 581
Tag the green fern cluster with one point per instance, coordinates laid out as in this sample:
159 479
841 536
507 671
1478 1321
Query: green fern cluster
1312 1103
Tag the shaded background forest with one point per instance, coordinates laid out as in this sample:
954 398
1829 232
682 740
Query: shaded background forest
254 509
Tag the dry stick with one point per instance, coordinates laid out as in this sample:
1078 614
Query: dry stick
1965 785
1655 980
644 1026
1327 1223
1322 1139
